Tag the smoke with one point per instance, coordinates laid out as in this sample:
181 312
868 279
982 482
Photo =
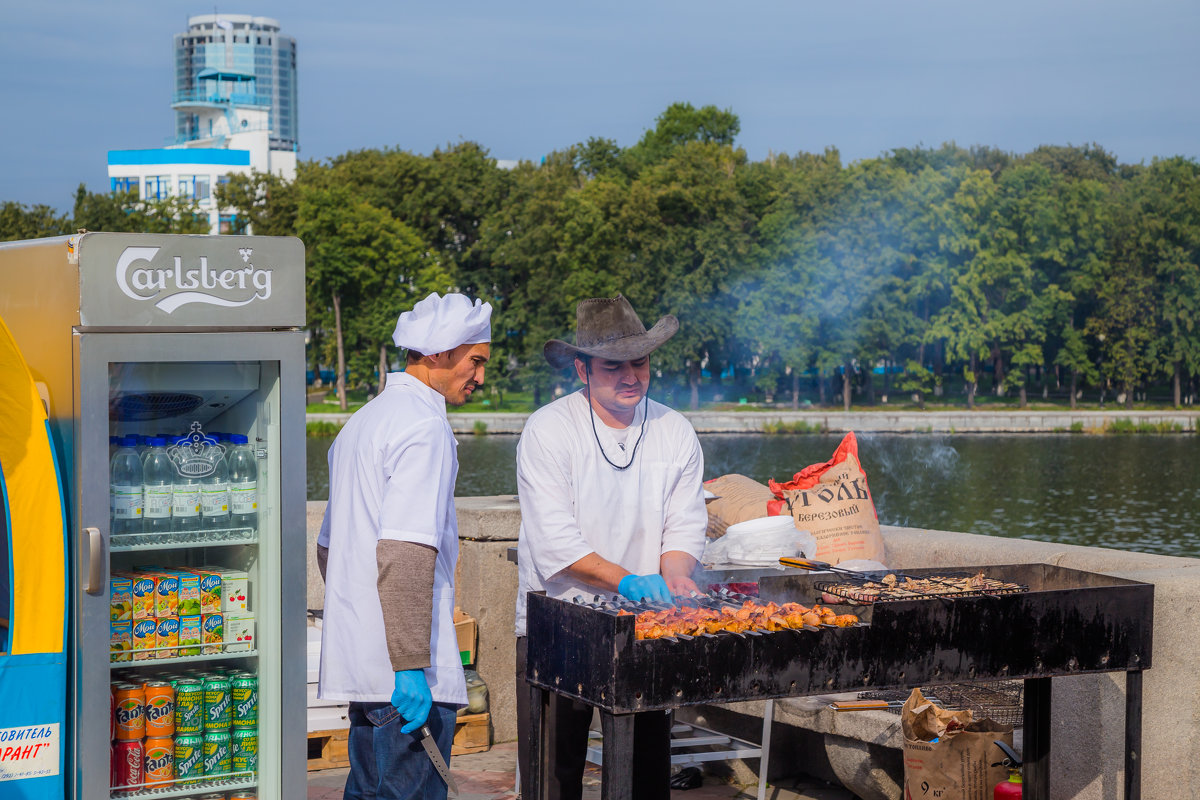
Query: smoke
905 472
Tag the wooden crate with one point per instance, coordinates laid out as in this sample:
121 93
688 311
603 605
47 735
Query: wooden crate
327 749
472 734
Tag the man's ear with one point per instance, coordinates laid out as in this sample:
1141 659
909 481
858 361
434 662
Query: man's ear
581 370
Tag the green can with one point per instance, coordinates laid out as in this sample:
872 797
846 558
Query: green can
216 704
218 757
189 757
245 750
189 707
244 691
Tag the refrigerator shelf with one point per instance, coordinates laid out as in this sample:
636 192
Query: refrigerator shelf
221 537
155 662
238 780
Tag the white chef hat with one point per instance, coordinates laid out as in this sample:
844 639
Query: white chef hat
437 324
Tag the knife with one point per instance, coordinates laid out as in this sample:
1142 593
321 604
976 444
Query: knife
435 756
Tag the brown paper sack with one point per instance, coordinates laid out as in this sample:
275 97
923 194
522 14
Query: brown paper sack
958 766
738 499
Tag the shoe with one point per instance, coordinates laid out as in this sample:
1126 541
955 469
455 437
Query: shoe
687 778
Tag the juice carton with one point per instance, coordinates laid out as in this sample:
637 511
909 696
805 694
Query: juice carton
189 634
189 593
212 632
167 635
142 596
235 589
239 633
120 642
166 593
210 590
145 639
120 599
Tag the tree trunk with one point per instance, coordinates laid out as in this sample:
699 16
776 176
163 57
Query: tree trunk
820 388
795 390
974 382
869 384
1129 396
694 383
1175 385
997 372
383 367
846 388
1024 397
340 380
1074 384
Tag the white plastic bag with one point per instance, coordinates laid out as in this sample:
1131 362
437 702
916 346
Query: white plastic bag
760 542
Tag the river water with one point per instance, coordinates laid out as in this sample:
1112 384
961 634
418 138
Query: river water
1137 492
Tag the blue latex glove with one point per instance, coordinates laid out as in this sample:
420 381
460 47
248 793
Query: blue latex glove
412 698
645 587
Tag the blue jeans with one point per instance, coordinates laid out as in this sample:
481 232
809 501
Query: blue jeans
386 764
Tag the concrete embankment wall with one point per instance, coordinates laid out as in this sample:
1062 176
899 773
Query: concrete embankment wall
979 421
857 749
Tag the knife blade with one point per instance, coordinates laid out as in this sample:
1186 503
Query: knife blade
435 756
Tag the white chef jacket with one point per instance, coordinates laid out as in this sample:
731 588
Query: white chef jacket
574 503
391 476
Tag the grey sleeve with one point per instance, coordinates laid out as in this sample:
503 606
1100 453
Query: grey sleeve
406 596
322 560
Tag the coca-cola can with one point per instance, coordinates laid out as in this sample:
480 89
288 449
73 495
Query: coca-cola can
127 763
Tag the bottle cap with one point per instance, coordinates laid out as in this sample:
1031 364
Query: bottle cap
238 438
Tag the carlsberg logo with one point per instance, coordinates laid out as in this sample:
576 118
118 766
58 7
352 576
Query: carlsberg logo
176 283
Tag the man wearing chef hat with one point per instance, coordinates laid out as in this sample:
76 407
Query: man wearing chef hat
609 483
388 546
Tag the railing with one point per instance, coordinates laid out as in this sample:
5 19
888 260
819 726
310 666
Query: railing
235 98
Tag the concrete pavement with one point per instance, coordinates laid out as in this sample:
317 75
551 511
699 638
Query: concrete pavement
490 776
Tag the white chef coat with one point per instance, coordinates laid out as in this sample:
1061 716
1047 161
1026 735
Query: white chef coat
391 476
574 503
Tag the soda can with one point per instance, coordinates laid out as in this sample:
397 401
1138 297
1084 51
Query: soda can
127 763
243 796
189 707
217 756
160 709
243 690
159 761
189 757
130 702
216 705
245 750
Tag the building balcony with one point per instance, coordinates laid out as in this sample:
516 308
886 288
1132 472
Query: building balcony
193 99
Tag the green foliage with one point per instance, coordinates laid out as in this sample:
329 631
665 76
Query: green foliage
479 428
121 212
798 427
321 428
30 222
1125 425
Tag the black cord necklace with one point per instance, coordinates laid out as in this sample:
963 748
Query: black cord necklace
592 416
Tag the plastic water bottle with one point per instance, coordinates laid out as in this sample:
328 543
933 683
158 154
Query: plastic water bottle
185 497
214 494
125 488
158 478
243 484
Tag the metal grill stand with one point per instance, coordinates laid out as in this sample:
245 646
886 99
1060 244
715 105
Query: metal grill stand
1069 623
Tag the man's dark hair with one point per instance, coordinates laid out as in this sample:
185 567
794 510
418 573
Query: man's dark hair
412 356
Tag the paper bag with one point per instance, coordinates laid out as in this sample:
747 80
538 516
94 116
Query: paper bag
947 754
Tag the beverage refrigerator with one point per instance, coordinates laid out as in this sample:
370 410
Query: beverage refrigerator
172 368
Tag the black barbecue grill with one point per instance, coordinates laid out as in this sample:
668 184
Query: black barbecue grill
1068 622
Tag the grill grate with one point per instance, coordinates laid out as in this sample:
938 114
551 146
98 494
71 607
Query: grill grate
1001 701
144 406
932 586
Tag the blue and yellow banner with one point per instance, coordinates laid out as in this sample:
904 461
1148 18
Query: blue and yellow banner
33 590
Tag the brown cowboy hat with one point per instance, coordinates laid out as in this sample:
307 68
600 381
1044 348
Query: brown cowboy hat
609 328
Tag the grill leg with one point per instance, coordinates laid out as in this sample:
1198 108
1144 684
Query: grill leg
539 744
1133 735
764 758
1036 755
616 769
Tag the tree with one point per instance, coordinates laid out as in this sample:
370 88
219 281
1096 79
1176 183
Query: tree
18 221
264 203
123 212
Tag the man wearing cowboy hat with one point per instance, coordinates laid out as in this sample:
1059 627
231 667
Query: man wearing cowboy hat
609 483
387 550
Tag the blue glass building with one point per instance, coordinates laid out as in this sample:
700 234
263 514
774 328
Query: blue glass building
238 44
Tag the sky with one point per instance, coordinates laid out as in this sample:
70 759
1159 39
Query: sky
82 77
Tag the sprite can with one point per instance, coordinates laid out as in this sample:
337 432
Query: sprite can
217 755
189 757
189 707
245 750
216 704
244 692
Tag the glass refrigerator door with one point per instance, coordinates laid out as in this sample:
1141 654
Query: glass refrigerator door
184 470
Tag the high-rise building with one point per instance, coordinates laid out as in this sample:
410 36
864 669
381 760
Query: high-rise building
248 46
235 111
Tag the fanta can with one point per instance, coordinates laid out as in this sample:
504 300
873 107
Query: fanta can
130 702
159 761
160 709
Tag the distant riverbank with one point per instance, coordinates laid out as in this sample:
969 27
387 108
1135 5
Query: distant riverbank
813 421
